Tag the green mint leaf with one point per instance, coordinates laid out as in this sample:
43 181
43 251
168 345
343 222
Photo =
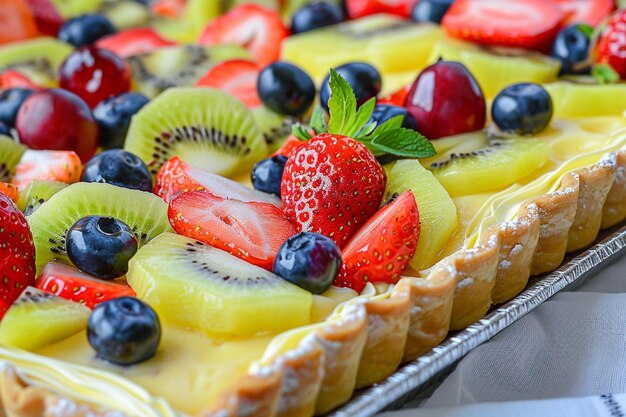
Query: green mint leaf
341 105
363 116
394 123
605 74
365 132
318 121
404 142
586 30
300 132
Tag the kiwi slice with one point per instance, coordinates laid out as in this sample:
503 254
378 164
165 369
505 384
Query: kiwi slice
207 128
39 59
178 66
144 213
496 166
10 154
125 14
197 286
226 5
36 193
275 128
37 319
73 8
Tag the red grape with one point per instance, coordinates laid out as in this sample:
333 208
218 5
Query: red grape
446 100
94 74
59 120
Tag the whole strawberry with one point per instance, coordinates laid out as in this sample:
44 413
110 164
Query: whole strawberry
611 46
332 185
17 254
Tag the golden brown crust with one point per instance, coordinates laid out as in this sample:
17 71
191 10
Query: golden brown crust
614 210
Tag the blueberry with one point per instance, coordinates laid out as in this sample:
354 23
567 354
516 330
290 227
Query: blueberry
118 167
4 129
308 260
86 29
430 10
10 102
286 89
268 173
101 246
571 47
316 15
524 108
384 112
363 78
113 117
124 331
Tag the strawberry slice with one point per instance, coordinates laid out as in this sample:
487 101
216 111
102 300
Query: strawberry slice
251 231
72 284
530 24
397 98
13 78
236 76
171 9
48 19
17 253
16 21
133 41
360 8
332 185
252 26
611 45
177 176
383 247
63 166
591 12
9 190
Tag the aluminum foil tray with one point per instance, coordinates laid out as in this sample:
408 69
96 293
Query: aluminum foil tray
414 377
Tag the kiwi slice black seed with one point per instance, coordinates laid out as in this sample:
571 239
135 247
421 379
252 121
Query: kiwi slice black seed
178 66
39 59
144 213
207 128
275 128
36 193
10 154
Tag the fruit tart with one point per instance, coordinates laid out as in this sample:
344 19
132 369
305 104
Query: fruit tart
184 231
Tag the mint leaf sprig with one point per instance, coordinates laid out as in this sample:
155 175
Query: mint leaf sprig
348 120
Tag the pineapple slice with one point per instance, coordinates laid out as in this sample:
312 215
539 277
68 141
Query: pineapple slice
438 215
37 319
497 68
390 43
573 100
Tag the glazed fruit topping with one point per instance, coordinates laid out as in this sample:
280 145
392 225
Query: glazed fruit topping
286 89
590 12
94 74
86 29
430 10
101 246
46 16
530 24
17 254
446 100
611 46
113 117
571 47
360 8
124 331
62 166
251 231
238 77
383 247
267 174
10 101
524 108
316 15
10 191
309 260
59 120
118 167
134 41
364 79
17 20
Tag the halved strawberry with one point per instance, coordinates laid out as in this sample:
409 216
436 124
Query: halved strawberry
134 41
383 247
17 253
611 46
530 24
360 8
252 26
63 166
332 185
397 98
251 231
9 190
177 176
16 21
48 19
591 12
13 78
72 284
236 76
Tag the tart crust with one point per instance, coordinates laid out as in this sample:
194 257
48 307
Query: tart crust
372 338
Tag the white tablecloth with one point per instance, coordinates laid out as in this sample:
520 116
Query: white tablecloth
565 358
